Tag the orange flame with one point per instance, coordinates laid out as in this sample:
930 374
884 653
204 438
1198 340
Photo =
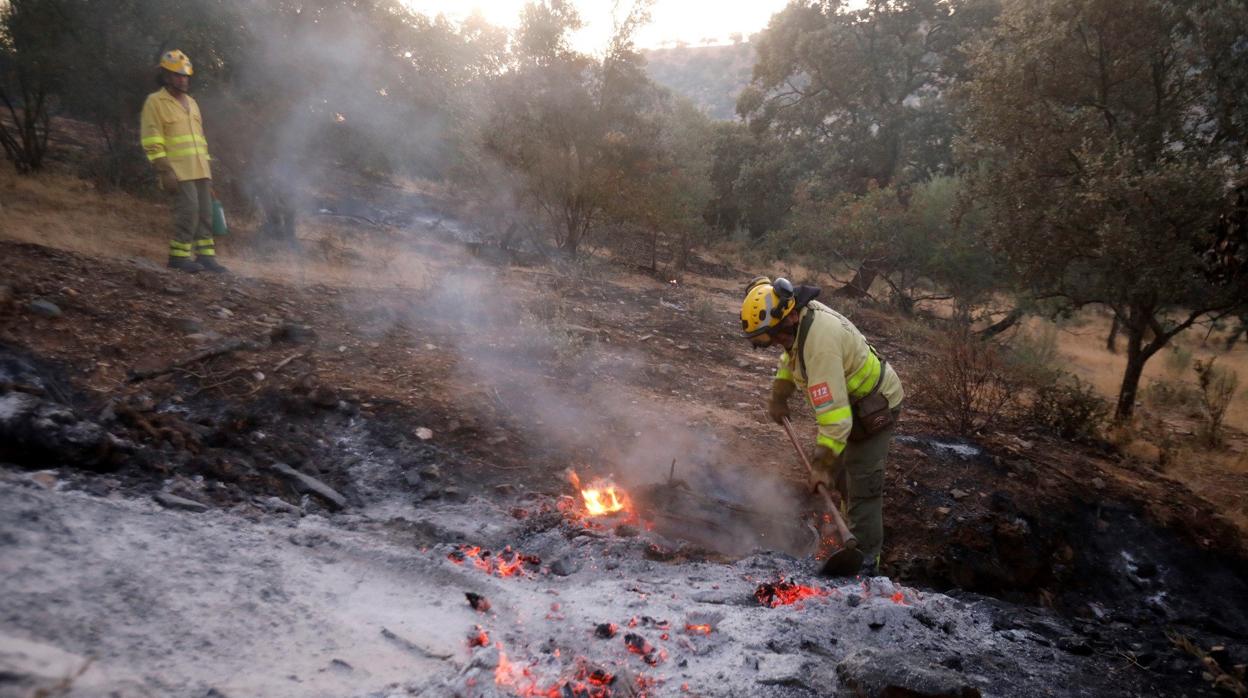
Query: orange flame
601 497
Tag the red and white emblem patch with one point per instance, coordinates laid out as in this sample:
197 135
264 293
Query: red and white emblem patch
820 394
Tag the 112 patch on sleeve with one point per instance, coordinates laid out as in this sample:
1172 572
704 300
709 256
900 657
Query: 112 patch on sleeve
820 394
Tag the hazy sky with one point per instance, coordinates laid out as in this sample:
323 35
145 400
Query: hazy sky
690 21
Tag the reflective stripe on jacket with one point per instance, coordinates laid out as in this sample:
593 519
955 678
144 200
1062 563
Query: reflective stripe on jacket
169 130
840 368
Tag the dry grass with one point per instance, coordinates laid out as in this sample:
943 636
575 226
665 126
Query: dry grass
1081 348
62 211
1218 476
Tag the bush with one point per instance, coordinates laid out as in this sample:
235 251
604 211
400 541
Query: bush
1178 360
1171 394
965 382
1217 389
1033 355
1071 409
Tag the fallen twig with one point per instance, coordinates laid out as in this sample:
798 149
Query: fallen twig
412 646
282 364
207 353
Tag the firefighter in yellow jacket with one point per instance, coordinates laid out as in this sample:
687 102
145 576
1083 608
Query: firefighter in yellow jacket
855 395
172 134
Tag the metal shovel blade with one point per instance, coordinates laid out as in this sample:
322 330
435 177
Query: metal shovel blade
845 562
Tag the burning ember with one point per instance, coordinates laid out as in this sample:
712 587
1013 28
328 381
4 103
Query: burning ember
783 593
507 563
640 646
605 631
586 682
478 638
601 497
479 603
702 628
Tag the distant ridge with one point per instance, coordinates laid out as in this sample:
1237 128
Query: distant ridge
710 76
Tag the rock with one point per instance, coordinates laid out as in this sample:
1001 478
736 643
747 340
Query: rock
1074 645
340 666
188 325
173 290
958 495
424 433
943 511
883 672
45 479
453 494
626 531
666 369
1098 483
431 472
44 432
311 485
277 504
173 501
564 566
44 308
293 333
743 363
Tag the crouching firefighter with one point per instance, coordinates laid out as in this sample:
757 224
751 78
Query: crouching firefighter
855 394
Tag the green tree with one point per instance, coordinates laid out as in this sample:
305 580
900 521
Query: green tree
858 97
1106 139
569 131
31 70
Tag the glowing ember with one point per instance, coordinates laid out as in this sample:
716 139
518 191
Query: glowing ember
783 593
601 497
899 598
702 628
507 563
478 638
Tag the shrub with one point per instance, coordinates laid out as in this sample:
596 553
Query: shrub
965 383
1217 389
1072 409
702 307
1033 355
1178 360
1172 394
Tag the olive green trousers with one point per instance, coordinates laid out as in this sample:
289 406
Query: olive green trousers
859 476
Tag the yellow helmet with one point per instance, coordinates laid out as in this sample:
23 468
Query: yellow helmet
765 305
176 62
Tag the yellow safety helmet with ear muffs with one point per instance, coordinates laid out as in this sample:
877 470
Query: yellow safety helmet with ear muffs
766 303
176 62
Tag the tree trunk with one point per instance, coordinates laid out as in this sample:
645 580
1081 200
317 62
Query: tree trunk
1131 376
860 285
1111 342
1002 325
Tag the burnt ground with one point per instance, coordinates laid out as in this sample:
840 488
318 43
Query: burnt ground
480 384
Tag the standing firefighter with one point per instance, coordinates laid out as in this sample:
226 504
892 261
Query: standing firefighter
172 133
855 394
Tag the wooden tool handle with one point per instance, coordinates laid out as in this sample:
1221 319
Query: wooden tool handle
847 538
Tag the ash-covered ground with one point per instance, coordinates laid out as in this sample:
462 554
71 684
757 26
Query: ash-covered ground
164 602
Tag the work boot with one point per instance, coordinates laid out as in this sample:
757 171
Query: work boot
185 264
210 264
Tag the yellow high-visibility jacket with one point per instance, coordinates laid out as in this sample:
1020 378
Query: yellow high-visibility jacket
840 368
169 130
